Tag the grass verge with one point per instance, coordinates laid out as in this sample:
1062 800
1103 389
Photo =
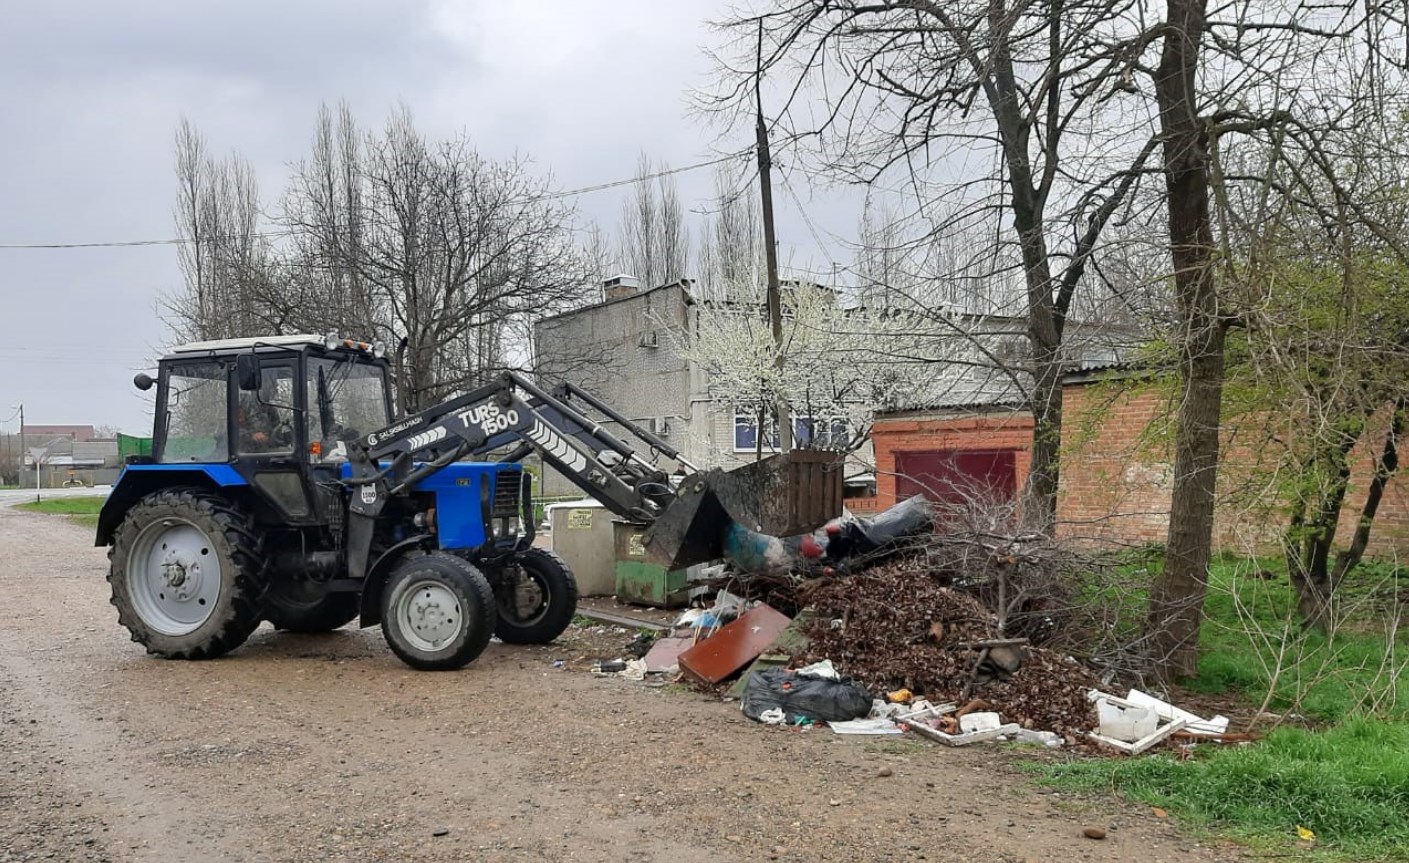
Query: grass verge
1348 784
80 510
1345 777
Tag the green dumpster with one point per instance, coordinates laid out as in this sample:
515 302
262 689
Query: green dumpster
640 581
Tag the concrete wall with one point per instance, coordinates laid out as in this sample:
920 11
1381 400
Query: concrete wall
600 349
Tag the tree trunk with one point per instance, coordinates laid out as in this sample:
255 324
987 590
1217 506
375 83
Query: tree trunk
1039 494
1309 569
1385 467
1177 595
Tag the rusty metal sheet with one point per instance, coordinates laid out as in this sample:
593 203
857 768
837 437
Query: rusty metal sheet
734 645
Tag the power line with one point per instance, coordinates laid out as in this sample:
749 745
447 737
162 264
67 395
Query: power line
550 196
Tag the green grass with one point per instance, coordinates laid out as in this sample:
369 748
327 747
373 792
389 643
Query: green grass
1345 776
80 510
1349 784
1252 644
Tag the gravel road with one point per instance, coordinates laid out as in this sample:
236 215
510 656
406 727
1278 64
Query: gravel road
327 748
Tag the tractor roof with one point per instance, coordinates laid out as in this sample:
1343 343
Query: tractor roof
257 343
224 345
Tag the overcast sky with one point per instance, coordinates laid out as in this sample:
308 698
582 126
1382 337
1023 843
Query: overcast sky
91 92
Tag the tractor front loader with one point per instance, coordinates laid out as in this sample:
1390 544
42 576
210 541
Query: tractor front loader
280 488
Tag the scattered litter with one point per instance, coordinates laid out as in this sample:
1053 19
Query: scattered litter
885 710
776 716
890 641
734 646
664 655
559 663
1215 727
815 698
866 726
820 669
1124 720
932 722
609 666
1129 724
634 670
1040 738
899 696
981 721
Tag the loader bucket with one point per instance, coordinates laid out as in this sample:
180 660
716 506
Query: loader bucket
782 495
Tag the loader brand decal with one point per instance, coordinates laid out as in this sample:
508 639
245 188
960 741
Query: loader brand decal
392 431
426 438
489 418
554 445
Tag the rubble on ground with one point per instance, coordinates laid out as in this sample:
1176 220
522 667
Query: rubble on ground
914 637
896 626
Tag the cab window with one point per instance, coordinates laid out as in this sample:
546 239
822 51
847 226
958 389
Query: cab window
264 418
196 414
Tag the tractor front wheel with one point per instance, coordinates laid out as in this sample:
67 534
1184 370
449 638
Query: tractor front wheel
536 596
186 574
304 606
437 611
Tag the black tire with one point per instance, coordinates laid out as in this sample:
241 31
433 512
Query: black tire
209 613
437 611
303 606
551 584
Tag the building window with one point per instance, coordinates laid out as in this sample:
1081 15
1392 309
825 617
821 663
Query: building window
821 433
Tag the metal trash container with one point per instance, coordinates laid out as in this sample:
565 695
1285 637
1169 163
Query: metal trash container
641 581
580 532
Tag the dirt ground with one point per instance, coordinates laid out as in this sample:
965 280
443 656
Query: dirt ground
327 748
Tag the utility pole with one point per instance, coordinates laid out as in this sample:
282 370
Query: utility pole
19 480
770 247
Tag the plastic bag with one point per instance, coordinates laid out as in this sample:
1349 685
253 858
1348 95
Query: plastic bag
802 696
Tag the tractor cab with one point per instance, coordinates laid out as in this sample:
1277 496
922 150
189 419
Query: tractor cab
277 412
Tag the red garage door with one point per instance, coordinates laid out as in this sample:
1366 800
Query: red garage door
953 476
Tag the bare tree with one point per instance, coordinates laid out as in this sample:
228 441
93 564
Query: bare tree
731 260
1022 89
225 262
1223 79
655 242
423 245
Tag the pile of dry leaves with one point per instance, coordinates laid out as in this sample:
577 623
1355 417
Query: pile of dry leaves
896 626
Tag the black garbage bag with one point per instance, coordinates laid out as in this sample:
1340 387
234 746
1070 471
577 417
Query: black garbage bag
817 698
839 545
868 536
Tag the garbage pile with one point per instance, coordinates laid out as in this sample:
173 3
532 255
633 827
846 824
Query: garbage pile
864 627
895 626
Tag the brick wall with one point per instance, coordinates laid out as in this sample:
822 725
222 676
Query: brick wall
921 431
1116 468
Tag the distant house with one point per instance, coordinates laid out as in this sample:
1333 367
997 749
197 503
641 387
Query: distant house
72 432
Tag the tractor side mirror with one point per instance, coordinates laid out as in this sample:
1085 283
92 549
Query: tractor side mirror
247 372
143 381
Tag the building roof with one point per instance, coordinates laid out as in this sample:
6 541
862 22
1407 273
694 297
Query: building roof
683 284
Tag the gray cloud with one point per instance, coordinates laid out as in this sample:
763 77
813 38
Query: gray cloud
90 95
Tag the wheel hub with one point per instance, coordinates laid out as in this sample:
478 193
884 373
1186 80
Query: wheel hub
528 596
174 578
430 614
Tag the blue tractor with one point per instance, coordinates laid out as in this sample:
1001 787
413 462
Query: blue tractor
281 487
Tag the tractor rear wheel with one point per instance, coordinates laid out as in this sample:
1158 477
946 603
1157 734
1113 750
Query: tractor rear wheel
187 574
304 606
437 611
536 597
